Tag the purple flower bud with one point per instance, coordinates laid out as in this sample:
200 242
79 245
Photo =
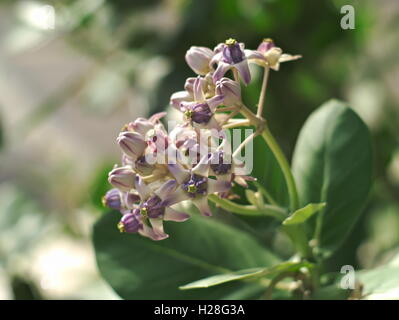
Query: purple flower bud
199 113
198 59
232 52
132 144
196 185
112 199
130 222
266 45
122 178
153 207
230 89
220 164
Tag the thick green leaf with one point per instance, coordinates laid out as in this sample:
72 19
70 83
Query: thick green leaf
223 278
138 268
381 283
332 163
303 214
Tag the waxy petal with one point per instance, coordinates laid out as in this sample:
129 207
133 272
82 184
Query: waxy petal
243 70
218 186
220 71
179 172
178 196
146 231
143 190
203 206
173 215
166 189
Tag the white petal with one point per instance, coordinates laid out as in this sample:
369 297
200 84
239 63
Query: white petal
173 215
178 196
143 190
167 188
203 207
178 172
218 186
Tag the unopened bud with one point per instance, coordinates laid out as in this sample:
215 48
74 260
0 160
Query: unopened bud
198 59
132 144
230 89
122 178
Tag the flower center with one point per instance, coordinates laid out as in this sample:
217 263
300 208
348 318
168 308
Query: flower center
230 42
195 186
121 227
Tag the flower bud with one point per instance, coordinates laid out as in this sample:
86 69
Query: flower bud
198 59
232 52
266 45
230 89
122 178
132 144
200 113
130 223
112 199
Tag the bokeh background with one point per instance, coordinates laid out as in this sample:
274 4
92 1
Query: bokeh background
66 90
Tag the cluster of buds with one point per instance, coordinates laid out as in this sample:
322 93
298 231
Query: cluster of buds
162 168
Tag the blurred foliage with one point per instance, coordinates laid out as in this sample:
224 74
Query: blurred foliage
138 50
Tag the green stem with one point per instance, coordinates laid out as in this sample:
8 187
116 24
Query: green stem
249 210
285 167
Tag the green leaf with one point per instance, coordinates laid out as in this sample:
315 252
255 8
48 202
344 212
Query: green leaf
381 283
332 163
246 274
223 278
303 214
139 268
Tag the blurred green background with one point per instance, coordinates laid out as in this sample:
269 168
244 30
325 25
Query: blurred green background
67 88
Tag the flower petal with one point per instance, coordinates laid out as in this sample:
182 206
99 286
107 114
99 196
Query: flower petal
166 189
218 186
243 70
146 231
143 190
220 71
203 206
178 196
178 172
157 227
173 215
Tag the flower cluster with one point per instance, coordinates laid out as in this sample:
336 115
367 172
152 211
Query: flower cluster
193 160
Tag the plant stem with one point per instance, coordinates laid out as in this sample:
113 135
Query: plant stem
249 210
285 167
262 96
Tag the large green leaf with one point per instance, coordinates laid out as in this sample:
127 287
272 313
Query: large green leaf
332 163
138 268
